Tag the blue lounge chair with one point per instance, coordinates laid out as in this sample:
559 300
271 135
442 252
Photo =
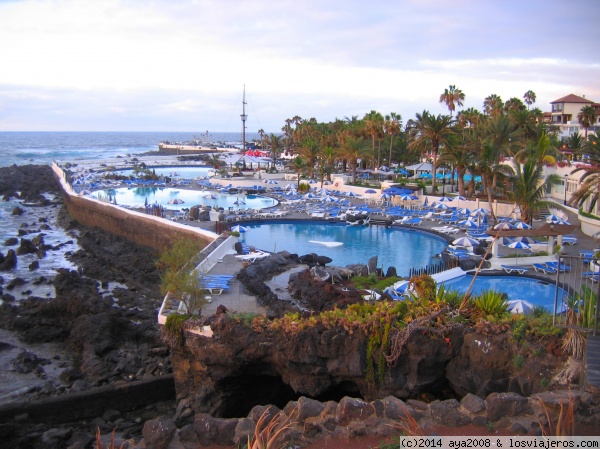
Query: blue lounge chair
511 268
591 275
544 268
559 267
569 240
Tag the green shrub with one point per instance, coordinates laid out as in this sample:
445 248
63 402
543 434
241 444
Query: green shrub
492 302
519 361
174 329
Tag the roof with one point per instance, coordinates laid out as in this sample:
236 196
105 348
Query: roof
571 98
546 230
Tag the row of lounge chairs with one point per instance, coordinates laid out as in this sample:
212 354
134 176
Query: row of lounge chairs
215 283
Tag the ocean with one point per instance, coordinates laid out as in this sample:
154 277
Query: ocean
31 147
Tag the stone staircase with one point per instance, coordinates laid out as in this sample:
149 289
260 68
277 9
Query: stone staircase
592 365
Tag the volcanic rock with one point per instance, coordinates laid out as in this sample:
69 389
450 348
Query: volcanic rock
17 211
9 261
12 241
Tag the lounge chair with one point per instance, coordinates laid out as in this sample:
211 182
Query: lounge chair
252 257
569 240
544 268
559 267
591 275
450 230
511 268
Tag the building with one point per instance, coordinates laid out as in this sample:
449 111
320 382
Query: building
564 115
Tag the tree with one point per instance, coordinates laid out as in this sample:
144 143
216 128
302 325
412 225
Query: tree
492 105
491 168
529 188
374 128
298 165
432 132
587 118
310 150
392 127
353 149
179 278
514 104
529 98
461 156
273 142
589 187
452 97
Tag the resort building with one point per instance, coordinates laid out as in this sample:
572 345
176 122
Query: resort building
564 115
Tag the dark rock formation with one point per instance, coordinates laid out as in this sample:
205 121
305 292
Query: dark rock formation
9 261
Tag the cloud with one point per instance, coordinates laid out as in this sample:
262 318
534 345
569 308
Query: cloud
137 64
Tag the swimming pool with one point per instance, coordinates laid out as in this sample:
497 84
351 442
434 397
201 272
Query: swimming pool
401 248
538 293
138 196
188 172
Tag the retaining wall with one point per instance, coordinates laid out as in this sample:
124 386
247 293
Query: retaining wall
94 402
146 230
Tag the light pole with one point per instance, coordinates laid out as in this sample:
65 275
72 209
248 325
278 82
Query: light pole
565 200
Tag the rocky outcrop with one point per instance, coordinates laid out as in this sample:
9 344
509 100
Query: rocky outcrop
312 421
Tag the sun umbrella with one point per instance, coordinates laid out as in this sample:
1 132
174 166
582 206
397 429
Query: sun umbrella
270 181
444 199
176 201
519 245
238 228
468 224
327 183
503 225
525 239
459 198
384 196
465 241
479 211
209 196
464 211
440 206
506 241
406 197
555 219
520 306
370 191
521 225
239 203
312 181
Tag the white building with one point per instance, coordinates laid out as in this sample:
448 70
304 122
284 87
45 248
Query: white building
564 115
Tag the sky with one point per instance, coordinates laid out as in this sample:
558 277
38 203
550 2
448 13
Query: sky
181 65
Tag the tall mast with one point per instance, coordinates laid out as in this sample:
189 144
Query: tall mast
244 118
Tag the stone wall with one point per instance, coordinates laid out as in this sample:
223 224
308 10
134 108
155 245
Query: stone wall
93 402
143 229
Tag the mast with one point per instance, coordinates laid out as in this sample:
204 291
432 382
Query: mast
244 118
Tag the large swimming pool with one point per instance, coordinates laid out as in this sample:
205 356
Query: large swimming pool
138 196
345 245
189 172
538 293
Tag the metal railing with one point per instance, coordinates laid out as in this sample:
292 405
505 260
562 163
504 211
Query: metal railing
434 268
577 280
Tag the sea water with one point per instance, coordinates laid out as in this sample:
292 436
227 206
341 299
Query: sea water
23 148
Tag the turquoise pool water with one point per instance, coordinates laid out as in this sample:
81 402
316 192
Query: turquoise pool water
538 293
174 172
138 196
401 248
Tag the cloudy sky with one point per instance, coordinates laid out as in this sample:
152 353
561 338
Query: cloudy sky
180 65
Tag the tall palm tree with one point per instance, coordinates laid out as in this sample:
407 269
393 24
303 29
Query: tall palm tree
587 117
273 142
298 165
452 97
461 156
392 127
589 187
374 129
309 150
492 105
514 104
432 132
491 168
529 188
352 149
529 98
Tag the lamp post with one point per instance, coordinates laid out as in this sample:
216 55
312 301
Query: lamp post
565 185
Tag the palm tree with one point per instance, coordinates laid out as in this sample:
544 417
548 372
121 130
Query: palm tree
589 187
273 142
541 153
432 132
492 105
310 149
529 98
491 168
352 149
298 165
374 128
529 188
392 126
514 104
460 156
587 118
452 97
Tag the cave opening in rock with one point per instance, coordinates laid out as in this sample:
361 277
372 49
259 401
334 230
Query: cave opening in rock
239 394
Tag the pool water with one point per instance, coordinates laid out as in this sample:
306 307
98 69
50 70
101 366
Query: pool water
138 196
401 248
534 291
173 172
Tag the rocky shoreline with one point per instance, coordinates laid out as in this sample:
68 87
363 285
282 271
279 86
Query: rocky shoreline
103 314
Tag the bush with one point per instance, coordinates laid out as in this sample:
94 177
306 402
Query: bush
492 302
